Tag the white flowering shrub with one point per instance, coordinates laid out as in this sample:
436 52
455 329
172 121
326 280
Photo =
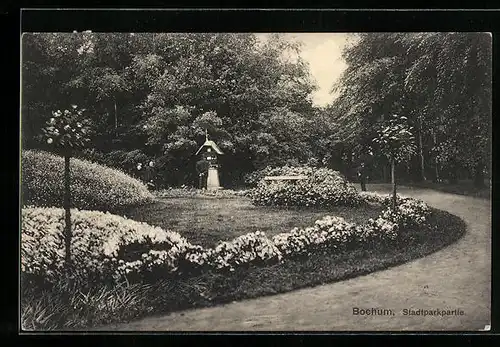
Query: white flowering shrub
328 232
409 212
381 199
322 188
108 246
93 186
379 229
103 244
253 248
374 198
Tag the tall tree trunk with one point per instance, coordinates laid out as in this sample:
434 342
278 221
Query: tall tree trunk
436 161
116 114
479 174
393 180
421 152
408 168
67 210
349 164
385 178
453 171
362 178
436 168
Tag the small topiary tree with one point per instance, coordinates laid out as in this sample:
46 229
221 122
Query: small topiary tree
67 131
396 141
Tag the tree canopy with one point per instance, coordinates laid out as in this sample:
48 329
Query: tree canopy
153 96
159 93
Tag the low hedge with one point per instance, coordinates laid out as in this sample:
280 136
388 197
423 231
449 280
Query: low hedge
93 186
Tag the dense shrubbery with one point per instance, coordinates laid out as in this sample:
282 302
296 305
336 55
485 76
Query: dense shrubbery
322 188
109 246
409 212
93 186
126 161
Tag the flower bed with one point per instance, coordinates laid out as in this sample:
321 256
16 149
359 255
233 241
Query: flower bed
108 246
101 243
322 188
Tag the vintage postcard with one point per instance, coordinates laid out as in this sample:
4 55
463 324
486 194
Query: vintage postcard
255 181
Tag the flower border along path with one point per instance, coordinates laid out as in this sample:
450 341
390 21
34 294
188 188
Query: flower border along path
455 278
248 266
134 251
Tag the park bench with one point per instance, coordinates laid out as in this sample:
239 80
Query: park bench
285 178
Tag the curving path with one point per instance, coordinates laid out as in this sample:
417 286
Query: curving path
456 277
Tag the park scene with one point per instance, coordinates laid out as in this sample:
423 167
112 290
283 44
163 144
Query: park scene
241 181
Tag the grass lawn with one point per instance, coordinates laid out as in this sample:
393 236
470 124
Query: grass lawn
206 220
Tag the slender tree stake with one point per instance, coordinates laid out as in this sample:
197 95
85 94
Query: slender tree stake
421 152
67 207
393 178
116 115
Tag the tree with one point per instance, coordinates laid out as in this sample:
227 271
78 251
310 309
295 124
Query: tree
440 81
67 130
397 143
450 75
240 90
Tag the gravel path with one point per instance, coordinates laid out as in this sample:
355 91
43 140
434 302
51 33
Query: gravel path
456 278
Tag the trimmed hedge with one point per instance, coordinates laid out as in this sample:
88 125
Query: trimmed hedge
93 186
323 188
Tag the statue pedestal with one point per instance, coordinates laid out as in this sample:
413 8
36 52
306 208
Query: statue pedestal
213 179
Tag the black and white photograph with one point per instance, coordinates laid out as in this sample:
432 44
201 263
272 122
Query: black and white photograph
255 181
